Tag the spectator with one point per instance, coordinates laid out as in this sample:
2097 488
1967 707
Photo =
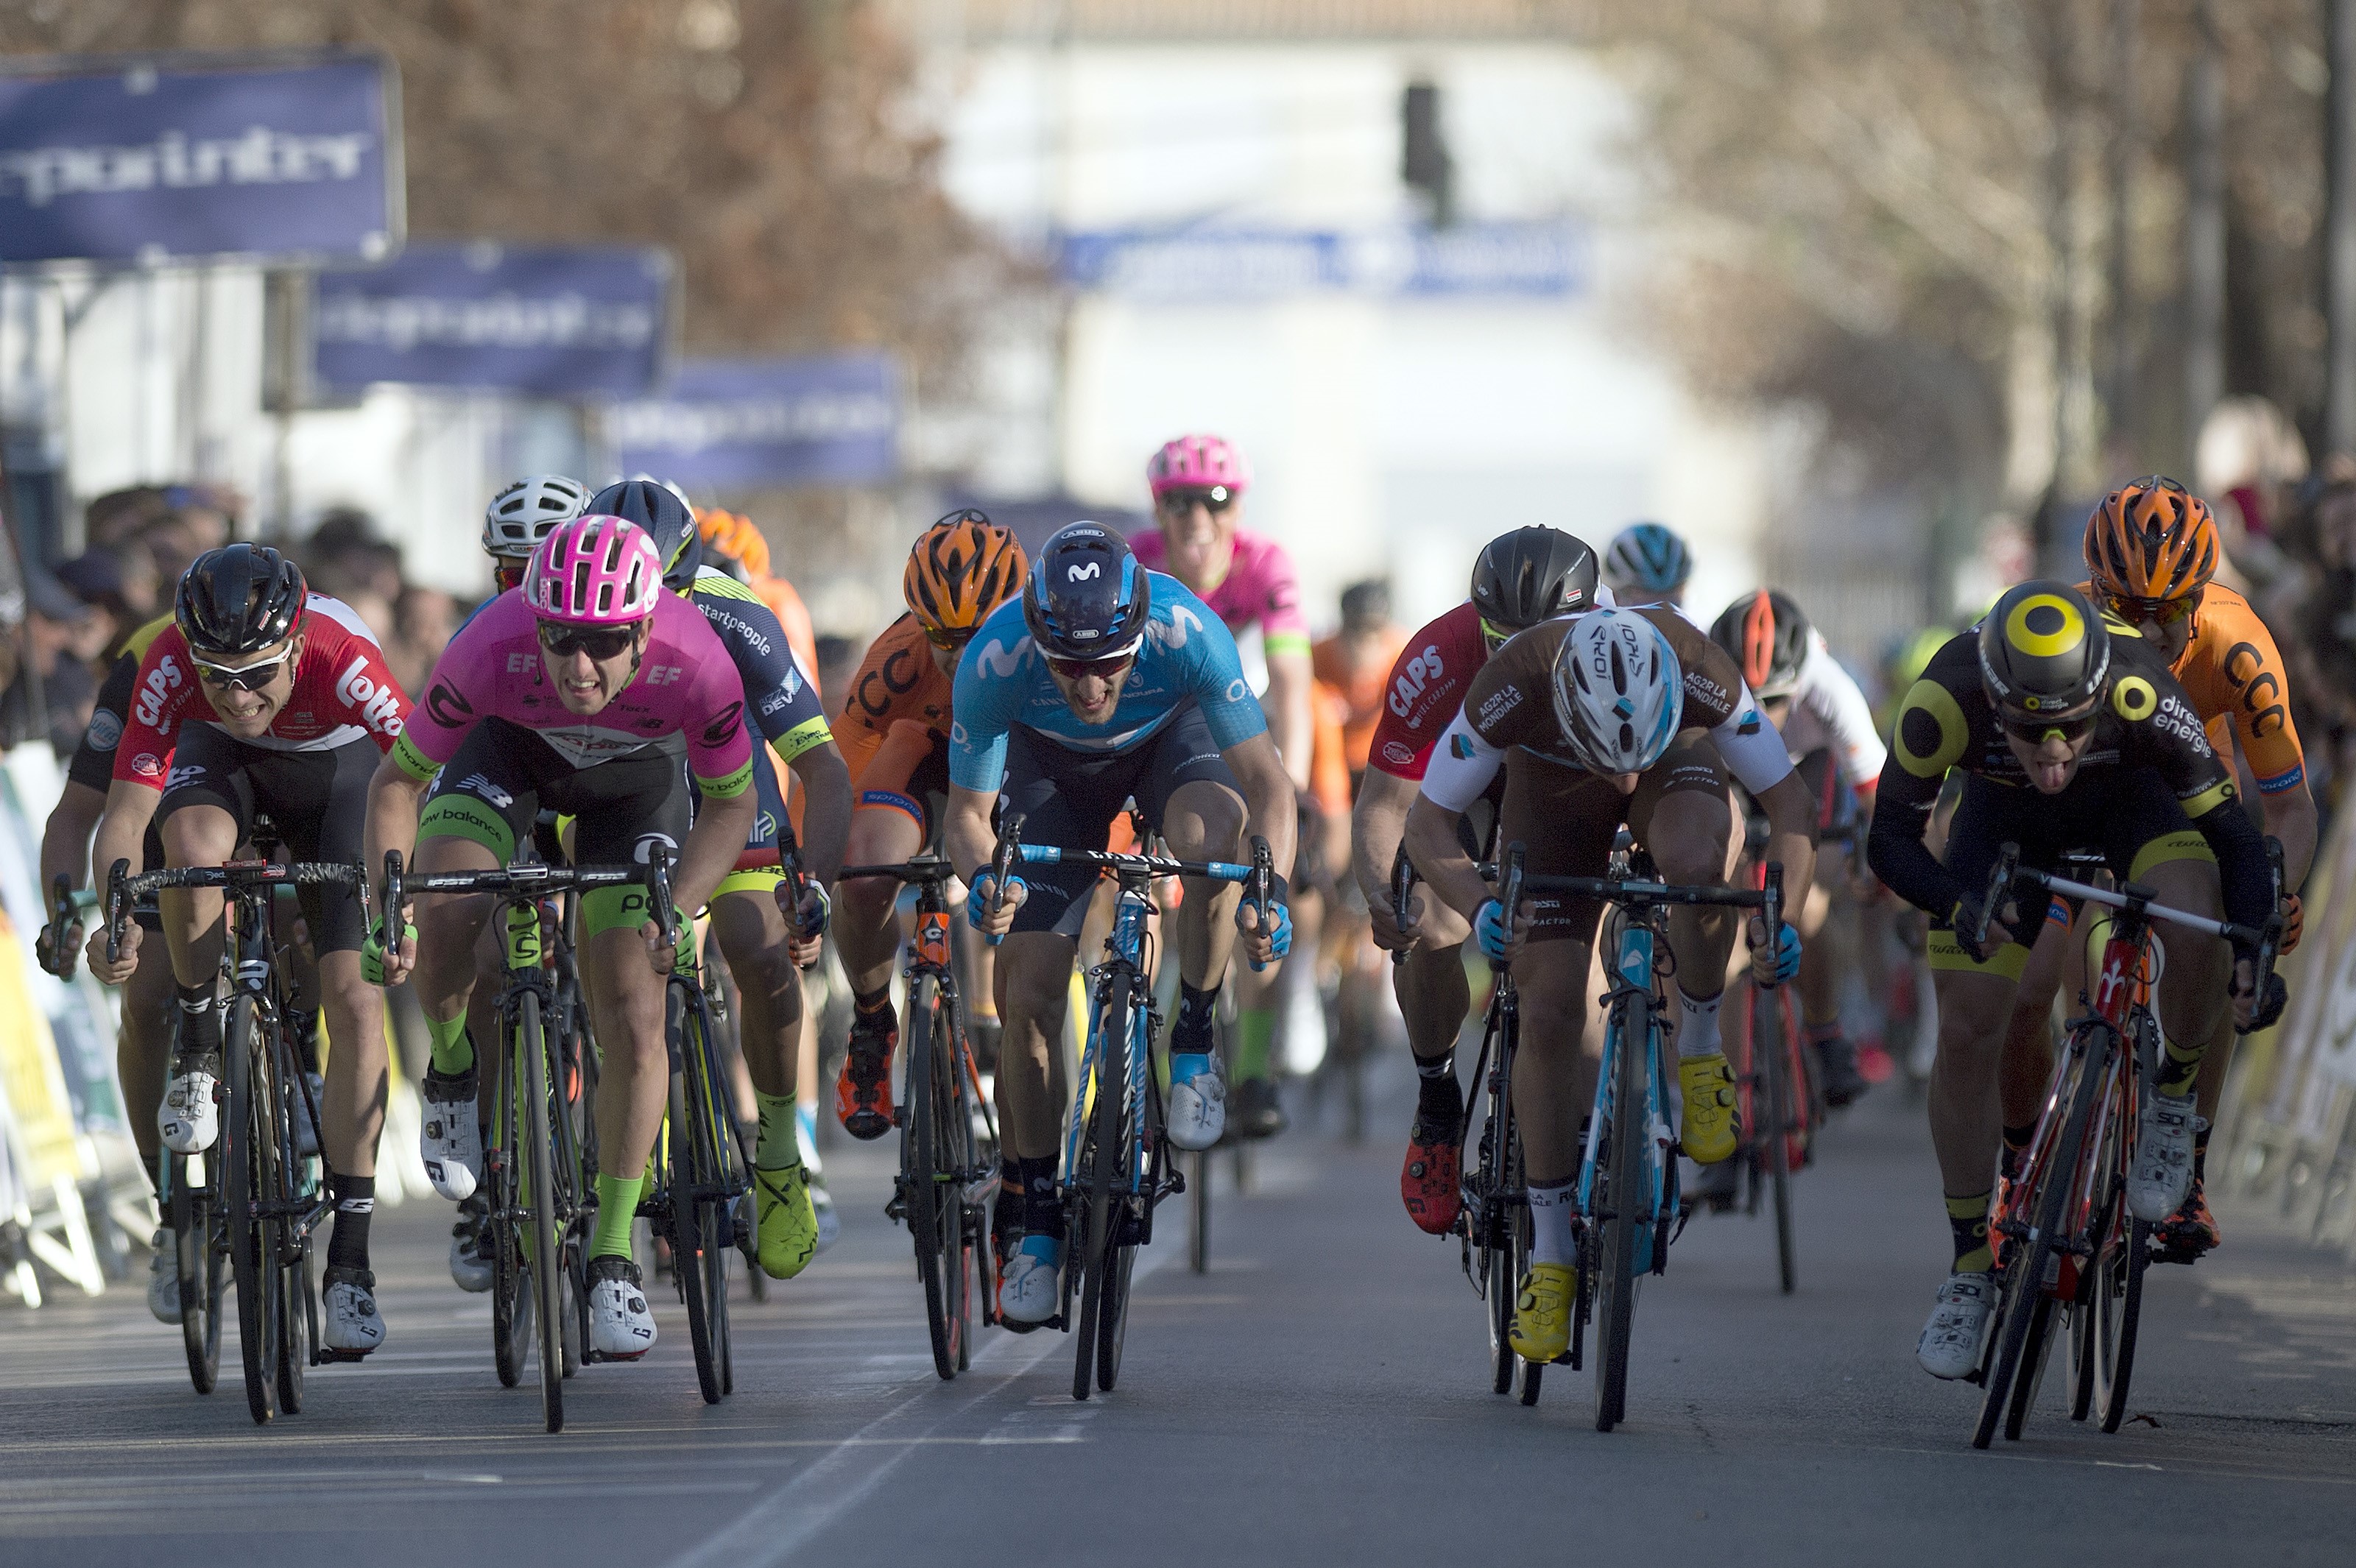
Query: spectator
53 689
98 579
424 620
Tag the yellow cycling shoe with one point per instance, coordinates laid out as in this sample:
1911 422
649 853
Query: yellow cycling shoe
1542 1312
1708 1130
788 1235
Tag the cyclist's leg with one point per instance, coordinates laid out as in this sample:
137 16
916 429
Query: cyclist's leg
1678 812
2027 1060
143 1041
889 824
1189 797
205 807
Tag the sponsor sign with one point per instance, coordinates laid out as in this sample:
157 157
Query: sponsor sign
736 422
1544 258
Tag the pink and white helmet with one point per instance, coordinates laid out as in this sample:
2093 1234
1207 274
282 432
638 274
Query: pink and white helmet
594 570
1198 462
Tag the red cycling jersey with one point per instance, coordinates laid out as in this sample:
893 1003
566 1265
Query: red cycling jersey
342 691
1426 686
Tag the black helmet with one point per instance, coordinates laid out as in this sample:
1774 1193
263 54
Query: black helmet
1087 598
1532 575
1768 637
1368 604
239 599
2043 651
668 520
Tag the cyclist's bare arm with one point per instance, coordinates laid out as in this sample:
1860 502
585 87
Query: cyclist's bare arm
1791 828
1269 801
826 820
130 807
1440 861
65 838
394 799
2290 817
721 824
967 837
1290 718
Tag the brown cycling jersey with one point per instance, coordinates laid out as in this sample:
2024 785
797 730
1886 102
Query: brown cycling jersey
1511 701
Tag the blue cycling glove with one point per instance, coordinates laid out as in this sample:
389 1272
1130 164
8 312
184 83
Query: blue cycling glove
1490 927
977 902
1280 937
1787 953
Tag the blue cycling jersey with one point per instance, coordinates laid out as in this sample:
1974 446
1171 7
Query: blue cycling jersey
1188 656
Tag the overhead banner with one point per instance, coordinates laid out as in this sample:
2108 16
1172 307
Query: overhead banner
559 321
1540 260
736 423
151 160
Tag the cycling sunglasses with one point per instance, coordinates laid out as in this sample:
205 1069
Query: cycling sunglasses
600 642
948 641
242 676
2153 612
1181 499
1074 669
507 574
1496 635
2036 731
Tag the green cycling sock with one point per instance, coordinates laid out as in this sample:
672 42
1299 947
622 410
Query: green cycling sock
2179 1071
1255 1034
454 1049
779 1149
1968 1218
617 1205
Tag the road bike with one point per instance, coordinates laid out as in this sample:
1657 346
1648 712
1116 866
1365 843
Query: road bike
1117 1164
1778 1095
269 1191
949 1177
2066 1246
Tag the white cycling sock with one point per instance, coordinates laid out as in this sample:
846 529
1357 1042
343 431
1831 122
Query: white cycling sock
1698 1035
1551 1241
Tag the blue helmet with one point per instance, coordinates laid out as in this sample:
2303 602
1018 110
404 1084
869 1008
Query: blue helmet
668 520
1087 598
1646 557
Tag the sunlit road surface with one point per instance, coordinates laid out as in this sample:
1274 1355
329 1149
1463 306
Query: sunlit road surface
1321 1395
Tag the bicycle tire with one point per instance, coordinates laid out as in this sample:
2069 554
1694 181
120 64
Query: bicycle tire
1777 1121
198 1263
298 1316
2095 1278
2117 1327
2017 1318
1198 1213
923 1157
502 1197
545 1264
689 1167
1103 1160
244 1144
1616 1291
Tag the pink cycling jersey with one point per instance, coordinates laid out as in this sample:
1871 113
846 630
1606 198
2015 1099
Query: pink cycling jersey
1260 586
686 687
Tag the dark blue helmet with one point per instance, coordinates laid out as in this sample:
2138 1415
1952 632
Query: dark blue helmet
668 520
1087 598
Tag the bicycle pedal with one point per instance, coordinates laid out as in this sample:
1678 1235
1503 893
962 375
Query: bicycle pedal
328 1358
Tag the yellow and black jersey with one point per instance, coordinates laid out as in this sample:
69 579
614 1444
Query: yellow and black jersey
93 760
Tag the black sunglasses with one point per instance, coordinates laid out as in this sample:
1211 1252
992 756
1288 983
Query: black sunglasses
600 642
1218 498
242 678
2035 730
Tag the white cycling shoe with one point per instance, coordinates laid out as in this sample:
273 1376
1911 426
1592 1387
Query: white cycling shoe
470 1257
449 1142
1198 1101
1027 1291
2162 1178
621 1327
188 1119
163 1276
353 1327
1950 1346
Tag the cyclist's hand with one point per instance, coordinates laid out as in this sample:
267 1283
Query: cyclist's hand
1489 929
1263 945
375 969
995 922
2294 919
1390 936
805 921
1776 968
2252 1012
1967 916
662 950
118 972
54 948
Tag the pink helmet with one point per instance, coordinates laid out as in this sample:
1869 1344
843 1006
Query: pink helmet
1198 460
595 571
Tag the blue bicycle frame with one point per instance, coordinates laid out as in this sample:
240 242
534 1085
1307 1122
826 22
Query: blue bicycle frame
1632 970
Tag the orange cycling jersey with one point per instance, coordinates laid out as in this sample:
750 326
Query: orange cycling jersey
1361 681
898 682
2234 677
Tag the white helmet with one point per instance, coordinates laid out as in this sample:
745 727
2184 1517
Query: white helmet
1618 694
520 517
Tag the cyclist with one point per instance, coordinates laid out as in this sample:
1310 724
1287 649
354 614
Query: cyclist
2152 552
2070 731
1198 484
1613 716
1105 681
1356 661
581 689
896 720
297 707
1520 578
1827 729
1647 564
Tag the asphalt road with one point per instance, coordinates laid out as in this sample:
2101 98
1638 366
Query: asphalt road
1320 1395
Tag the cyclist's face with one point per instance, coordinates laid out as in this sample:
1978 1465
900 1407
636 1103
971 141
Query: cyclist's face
2169 638
248 712
1202 541
2051 759
586 683
1093 694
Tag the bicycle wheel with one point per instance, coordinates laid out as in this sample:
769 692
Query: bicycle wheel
1772 1104
1198 1212
928 1176
1620 1206
1103 1160
247 1148
511 1291
198 1261
1518 1226
702 1223
298 1321
544 1265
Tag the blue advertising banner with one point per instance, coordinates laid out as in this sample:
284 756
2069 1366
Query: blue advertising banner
743 423
1533 259
146 160
559 321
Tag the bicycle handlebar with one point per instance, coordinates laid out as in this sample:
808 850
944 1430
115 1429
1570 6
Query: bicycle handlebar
233 876
916 869
1402 888
533 877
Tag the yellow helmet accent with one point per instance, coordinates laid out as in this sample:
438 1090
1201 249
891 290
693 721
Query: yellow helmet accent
2044 644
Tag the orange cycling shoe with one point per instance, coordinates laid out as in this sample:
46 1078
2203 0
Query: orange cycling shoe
1432 1182
2189 1232
862 1095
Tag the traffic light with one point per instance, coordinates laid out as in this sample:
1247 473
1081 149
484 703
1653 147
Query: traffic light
1424 163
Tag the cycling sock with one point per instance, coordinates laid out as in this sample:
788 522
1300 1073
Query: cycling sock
1043 1206
1196 1016
618 1206
1439 1100
1552 1240
355 1204
1968 1218
2180 1068
454 1048
874 1001
200 1028
1698 1035
1432 1068
780 1144
1255 1033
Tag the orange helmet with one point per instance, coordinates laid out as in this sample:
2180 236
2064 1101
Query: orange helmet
734 535
2151 540
961 568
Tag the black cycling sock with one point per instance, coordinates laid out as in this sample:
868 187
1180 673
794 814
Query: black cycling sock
874 1001
1043 1205
1968 1218
1439 1100
200 1028
1196 1013
355 1203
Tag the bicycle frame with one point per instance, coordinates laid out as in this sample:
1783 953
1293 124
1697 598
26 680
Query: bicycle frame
1125 952
1631 974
